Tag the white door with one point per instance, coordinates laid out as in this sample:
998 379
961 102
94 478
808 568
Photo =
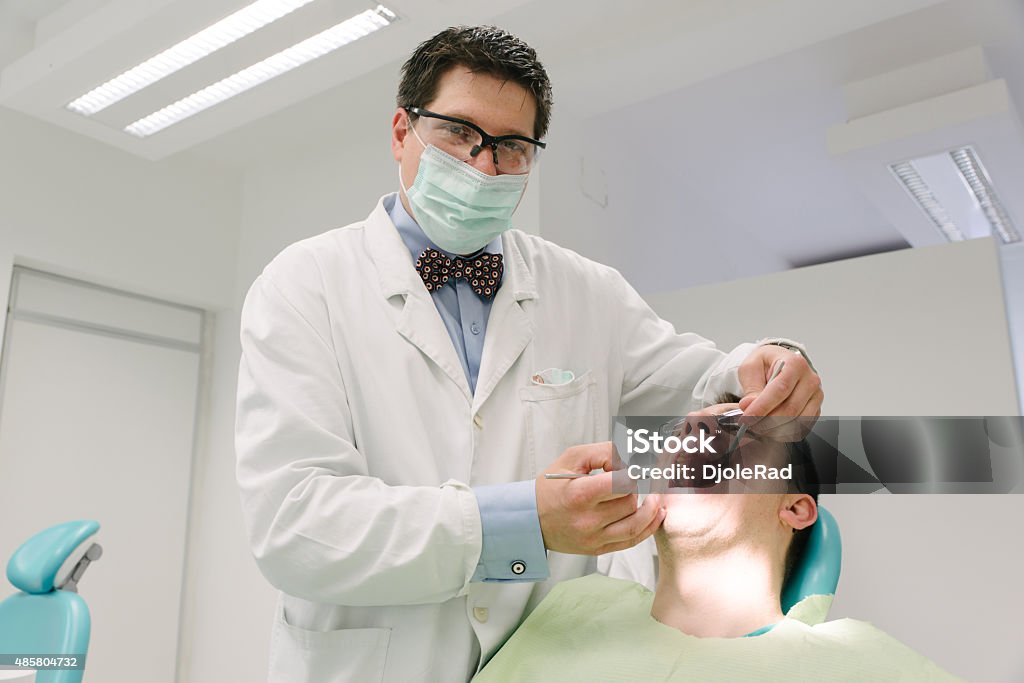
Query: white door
98 394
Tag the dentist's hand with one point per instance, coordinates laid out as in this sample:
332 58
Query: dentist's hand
795 393
585 516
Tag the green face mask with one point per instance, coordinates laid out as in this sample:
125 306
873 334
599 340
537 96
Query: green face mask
459 208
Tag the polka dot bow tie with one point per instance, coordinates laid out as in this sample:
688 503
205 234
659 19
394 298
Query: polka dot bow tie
482 272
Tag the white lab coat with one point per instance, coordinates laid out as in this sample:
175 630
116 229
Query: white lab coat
358 440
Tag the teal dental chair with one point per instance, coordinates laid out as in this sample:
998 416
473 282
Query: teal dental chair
818 573
47 616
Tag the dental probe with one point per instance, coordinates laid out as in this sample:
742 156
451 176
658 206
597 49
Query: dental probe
743 427
567 475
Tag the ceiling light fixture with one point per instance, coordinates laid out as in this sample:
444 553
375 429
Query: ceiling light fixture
977 179
209 40
956 193
922 194
307 50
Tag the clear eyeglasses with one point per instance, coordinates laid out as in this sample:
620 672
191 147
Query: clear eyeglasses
512 154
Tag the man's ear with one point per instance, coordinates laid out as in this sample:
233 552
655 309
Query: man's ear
399 129
798 511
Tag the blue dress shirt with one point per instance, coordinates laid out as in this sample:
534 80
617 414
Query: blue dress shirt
513 547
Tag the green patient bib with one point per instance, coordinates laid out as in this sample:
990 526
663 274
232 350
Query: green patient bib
600 629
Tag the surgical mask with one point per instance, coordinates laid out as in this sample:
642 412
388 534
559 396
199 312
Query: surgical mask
459 208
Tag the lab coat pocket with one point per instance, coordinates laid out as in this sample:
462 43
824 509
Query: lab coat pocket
558 416
350 655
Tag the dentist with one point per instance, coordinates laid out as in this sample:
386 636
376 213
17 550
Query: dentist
406 380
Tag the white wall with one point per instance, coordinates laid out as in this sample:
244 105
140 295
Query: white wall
718 169
1012 260
656 211
569 216
79 208
84 209
913 332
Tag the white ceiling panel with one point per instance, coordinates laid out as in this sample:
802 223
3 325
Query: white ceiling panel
122 33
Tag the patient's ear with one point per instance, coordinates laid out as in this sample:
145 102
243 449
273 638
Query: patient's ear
798 510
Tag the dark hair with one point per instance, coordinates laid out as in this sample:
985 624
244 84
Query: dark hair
481 49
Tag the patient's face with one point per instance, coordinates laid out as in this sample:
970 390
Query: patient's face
705 520
708 509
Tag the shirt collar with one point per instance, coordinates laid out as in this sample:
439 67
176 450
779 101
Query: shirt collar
413 236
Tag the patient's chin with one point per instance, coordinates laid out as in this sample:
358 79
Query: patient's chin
694 518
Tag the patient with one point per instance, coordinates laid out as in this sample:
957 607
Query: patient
716 614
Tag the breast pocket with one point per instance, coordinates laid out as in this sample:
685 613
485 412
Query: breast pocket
350 655
558 416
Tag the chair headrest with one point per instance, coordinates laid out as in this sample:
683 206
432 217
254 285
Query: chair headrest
34 566
818 571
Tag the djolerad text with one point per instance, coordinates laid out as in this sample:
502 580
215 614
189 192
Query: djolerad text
715 473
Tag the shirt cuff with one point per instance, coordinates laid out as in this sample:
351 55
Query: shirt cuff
794 346
513 546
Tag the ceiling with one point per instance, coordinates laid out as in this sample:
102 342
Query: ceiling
761 81
58 50
61 50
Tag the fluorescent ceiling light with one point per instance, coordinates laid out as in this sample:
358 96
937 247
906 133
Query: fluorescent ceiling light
209 40
977 179
326 41
922 194
955 192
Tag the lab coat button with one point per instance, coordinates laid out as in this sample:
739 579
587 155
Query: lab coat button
480 614
518 567
478 421
474 328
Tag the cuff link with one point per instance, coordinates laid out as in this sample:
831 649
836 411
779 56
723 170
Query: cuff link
518 567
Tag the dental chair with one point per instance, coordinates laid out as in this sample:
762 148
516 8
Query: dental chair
47 616
818 572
